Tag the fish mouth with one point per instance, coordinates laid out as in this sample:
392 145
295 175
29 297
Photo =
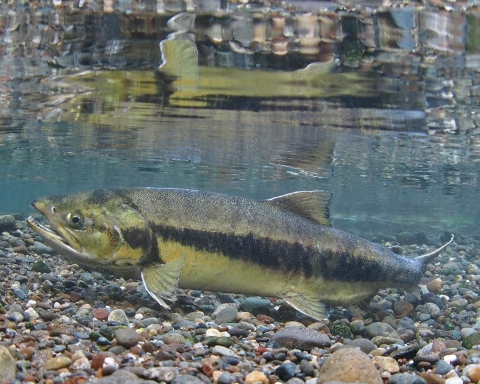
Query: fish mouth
53 239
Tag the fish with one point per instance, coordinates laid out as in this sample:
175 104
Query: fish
172 238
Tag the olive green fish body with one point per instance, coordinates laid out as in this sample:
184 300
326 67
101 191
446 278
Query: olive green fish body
210 241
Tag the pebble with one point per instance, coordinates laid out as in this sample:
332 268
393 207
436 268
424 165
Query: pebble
101 313
365 345
222 351
225 313
126 377
8 365
385 363
379 329
442 367
41 248
255 302
126 337
162 374
349 365
285 371
173 338
301 337
57 363
118 316
402 308
406 378
256 377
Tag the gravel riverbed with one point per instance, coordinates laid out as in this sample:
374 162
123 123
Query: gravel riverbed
60 323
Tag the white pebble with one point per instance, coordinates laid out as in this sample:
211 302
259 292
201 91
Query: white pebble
139 316
454 380
450 358
15 286
212 332
222 351
31 303
33 314
56 305
109 362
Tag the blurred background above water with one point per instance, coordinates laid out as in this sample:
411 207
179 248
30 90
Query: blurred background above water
375 102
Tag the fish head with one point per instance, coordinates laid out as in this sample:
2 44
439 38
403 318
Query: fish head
94 228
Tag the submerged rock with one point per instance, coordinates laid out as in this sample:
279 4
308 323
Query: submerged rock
301 337
7 364
349 365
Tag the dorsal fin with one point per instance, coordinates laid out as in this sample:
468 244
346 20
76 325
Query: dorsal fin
310 204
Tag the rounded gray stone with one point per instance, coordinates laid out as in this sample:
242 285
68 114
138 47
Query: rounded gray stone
442 367
379 329
7 223
41 248
365 345
301 337
123 376
187 379
126 337
225 313
222 351
406 378
226 378
165 374
255 302
119 316
431 309
173 338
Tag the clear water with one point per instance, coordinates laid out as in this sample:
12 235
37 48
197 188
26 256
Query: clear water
378 108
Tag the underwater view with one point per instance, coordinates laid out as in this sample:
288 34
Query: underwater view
339 240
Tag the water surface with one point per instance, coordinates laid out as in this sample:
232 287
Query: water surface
378 107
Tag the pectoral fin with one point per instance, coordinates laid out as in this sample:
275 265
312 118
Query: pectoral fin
161 280
309 306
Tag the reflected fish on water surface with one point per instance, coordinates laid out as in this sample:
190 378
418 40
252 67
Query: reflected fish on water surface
281 247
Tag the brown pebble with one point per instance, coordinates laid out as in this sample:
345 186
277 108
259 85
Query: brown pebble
349 365
432 378
435 285
163 355
438 346
21 249
266 319
402 308
452 343
207 369
149 347
424 365
75 297
101 313
474 373
27 351
98 359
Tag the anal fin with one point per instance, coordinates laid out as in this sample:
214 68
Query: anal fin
309 306
161 280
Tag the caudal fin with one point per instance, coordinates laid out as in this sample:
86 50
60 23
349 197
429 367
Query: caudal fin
425 259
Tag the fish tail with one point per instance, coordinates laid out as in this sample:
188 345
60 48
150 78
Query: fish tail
425 259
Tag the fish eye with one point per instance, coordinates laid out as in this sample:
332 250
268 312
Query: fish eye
75 219
53 210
